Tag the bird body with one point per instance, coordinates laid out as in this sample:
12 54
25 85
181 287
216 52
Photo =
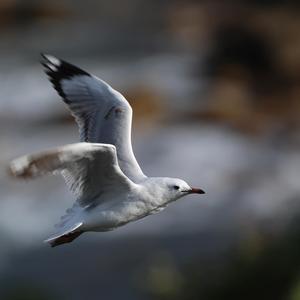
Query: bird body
109 186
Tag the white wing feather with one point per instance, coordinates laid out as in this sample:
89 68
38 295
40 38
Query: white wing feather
90 170
102 114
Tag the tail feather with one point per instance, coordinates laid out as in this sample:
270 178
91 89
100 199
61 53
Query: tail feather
66 236
63 239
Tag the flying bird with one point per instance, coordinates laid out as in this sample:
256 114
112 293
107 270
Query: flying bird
110 188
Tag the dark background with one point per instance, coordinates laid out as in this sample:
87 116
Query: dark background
215 88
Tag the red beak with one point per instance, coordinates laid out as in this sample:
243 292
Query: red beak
196 191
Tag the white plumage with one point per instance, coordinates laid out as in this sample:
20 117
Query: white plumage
101 171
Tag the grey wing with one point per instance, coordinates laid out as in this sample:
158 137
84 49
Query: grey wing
90 170
102 113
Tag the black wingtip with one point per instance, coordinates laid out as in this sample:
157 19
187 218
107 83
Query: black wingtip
58 69
45 65
43 55
43 60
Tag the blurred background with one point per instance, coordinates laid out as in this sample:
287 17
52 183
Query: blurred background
215 88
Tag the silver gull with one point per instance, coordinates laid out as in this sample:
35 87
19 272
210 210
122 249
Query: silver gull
110 188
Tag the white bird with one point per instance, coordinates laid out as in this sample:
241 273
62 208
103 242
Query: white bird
102 172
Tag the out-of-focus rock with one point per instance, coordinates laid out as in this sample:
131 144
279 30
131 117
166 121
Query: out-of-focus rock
147 104
253 70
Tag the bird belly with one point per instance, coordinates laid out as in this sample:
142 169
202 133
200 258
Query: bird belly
109 217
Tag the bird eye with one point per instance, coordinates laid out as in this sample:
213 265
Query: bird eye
176 187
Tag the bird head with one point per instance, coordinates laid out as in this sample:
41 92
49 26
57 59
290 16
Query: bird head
175 188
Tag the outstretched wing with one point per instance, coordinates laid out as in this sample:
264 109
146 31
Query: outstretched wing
90 170
102 113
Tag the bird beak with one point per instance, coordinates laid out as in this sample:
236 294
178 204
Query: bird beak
196 191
